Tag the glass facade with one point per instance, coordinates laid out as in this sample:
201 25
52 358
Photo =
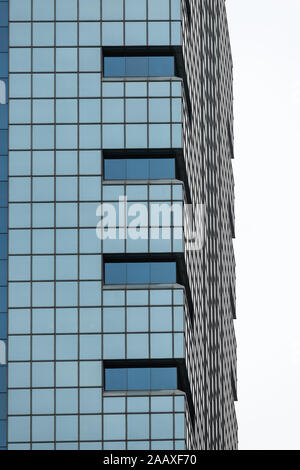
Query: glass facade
3 217
97 322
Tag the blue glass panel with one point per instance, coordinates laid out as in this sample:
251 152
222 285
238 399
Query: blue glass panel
114 66
163 378
3 407
89 59
158 33
136 110
139 379
161 66
138 169
135 34
89 34
135 9
66 34
162 273
90 426
66 10
42 401
18 63
3 39
42 374
43 34
90 400
66 85
137 66
89 10
43 85
138 273
138 426
162 168
112 10
42 428
3 378
3 299
3 142
14 13
3 246
43 10
116 379
115 273
66 402
4 116
161 404
115 169
112 33
137 404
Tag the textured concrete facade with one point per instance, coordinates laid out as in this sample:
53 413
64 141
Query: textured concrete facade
208 150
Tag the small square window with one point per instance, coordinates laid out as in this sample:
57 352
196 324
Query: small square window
89 85
112 10
20 60
89 59
135 9
112 33
20 34
66 10
43 85
66 85
89 10
66 34
66 59
43 34
43 59
158 33
89 34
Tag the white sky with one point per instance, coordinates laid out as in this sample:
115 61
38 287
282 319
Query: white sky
265 38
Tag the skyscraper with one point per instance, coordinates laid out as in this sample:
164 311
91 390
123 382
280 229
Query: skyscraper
117 302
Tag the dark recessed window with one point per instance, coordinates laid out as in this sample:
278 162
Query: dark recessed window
139 378
140 273
153 66
139 168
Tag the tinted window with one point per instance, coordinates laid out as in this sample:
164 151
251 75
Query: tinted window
160 66
114 66
140 273
139 168
136 66
138 378
116 379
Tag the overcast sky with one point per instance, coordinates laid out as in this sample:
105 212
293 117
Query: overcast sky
265 38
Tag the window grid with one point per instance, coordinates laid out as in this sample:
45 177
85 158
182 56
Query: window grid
34 76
